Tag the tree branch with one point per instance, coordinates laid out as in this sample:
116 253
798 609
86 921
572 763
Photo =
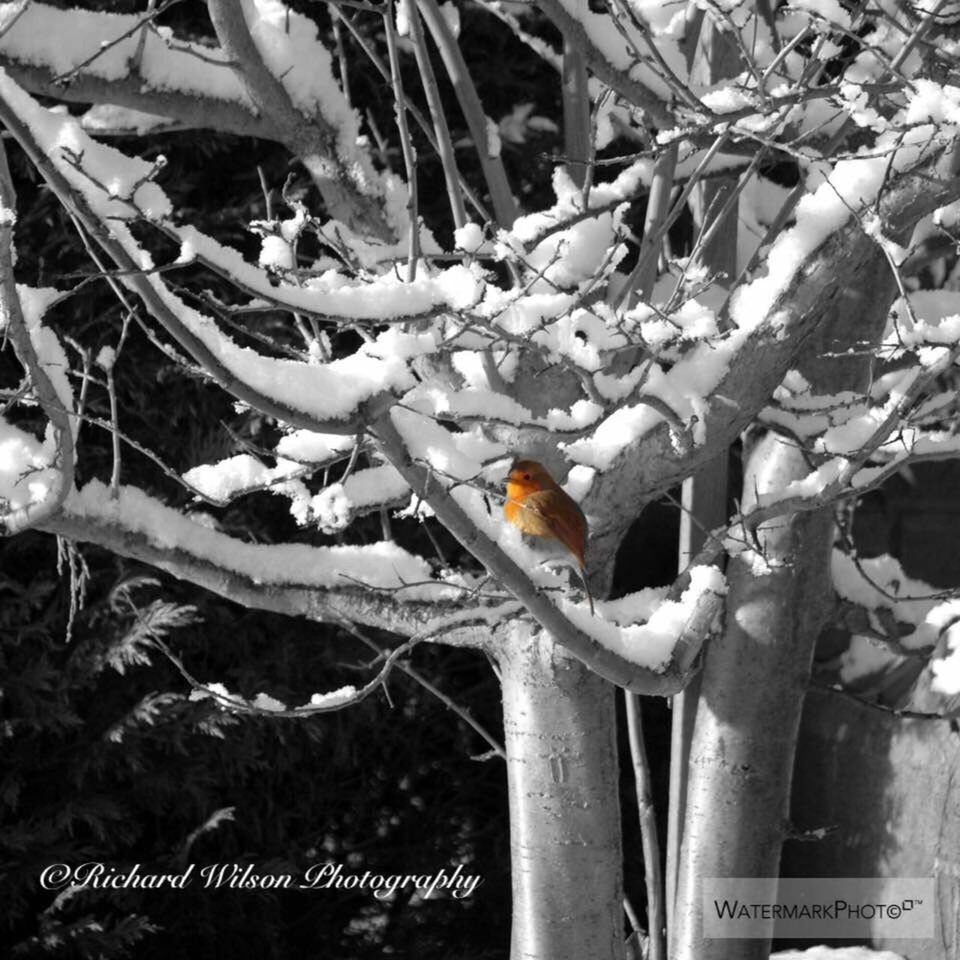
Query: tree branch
312 138
380 609
145 286
602 660
614 77
14 325
655 462
34 67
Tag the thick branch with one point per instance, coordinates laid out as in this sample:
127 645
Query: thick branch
586 648
189 111
841 267
143 286
312 138
379 609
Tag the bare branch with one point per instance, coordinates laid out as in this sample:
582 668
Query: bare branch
615 78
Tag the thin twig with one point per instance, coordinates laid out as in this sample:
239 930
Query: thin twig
406 143
415 674
648 829
66 78
428 79
504 206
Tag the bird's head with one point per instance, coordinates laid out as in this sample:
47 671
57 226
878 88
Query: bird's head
528 475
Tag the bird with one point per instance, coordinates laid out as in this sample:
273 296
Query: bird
539 507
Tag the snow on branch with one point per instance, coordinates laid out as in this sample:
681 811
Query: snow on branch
251 85
719 386
74 54
379 585
425 383
925 621
43 471
288 75
653 658
97 182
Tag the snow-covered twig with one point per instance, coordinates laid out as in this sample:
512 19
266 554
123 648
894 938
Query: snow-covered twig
314 138
65 79
56 488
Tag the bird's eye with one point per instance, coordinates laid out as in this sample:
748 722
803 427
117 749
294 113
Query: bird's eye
526 476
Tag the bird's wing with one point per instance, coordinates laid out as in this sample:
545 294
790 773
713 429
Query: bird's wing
568 525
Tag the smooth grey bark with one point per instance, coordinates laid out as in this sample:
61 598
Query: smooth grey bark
560 738
713 56
748 714
755 675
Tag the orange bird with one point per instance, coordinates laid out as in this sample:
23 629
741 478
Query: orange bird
539 507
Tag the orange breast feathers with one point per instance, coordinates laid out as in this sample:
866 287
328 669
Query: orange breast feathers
539 507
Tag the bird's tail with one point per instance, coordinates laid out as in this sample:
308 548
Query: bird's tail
586 588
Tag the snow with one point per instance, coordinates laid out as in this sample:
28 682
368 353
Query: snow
650 644
106 358
812 485
384 297
403 18
469 237
263 701
883 585
305 446
26 477
726 99
830 10
228 478
288 43
377 565
493 139
331 509
276 252
334 698
836 953
63 39
946 670
336 505
108 119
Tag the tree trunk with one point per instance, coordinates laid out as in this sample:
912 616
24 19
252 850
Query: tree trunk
748 715
754 677
560 737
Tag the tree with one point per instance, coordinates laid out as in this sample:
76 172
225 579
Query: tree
416 369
